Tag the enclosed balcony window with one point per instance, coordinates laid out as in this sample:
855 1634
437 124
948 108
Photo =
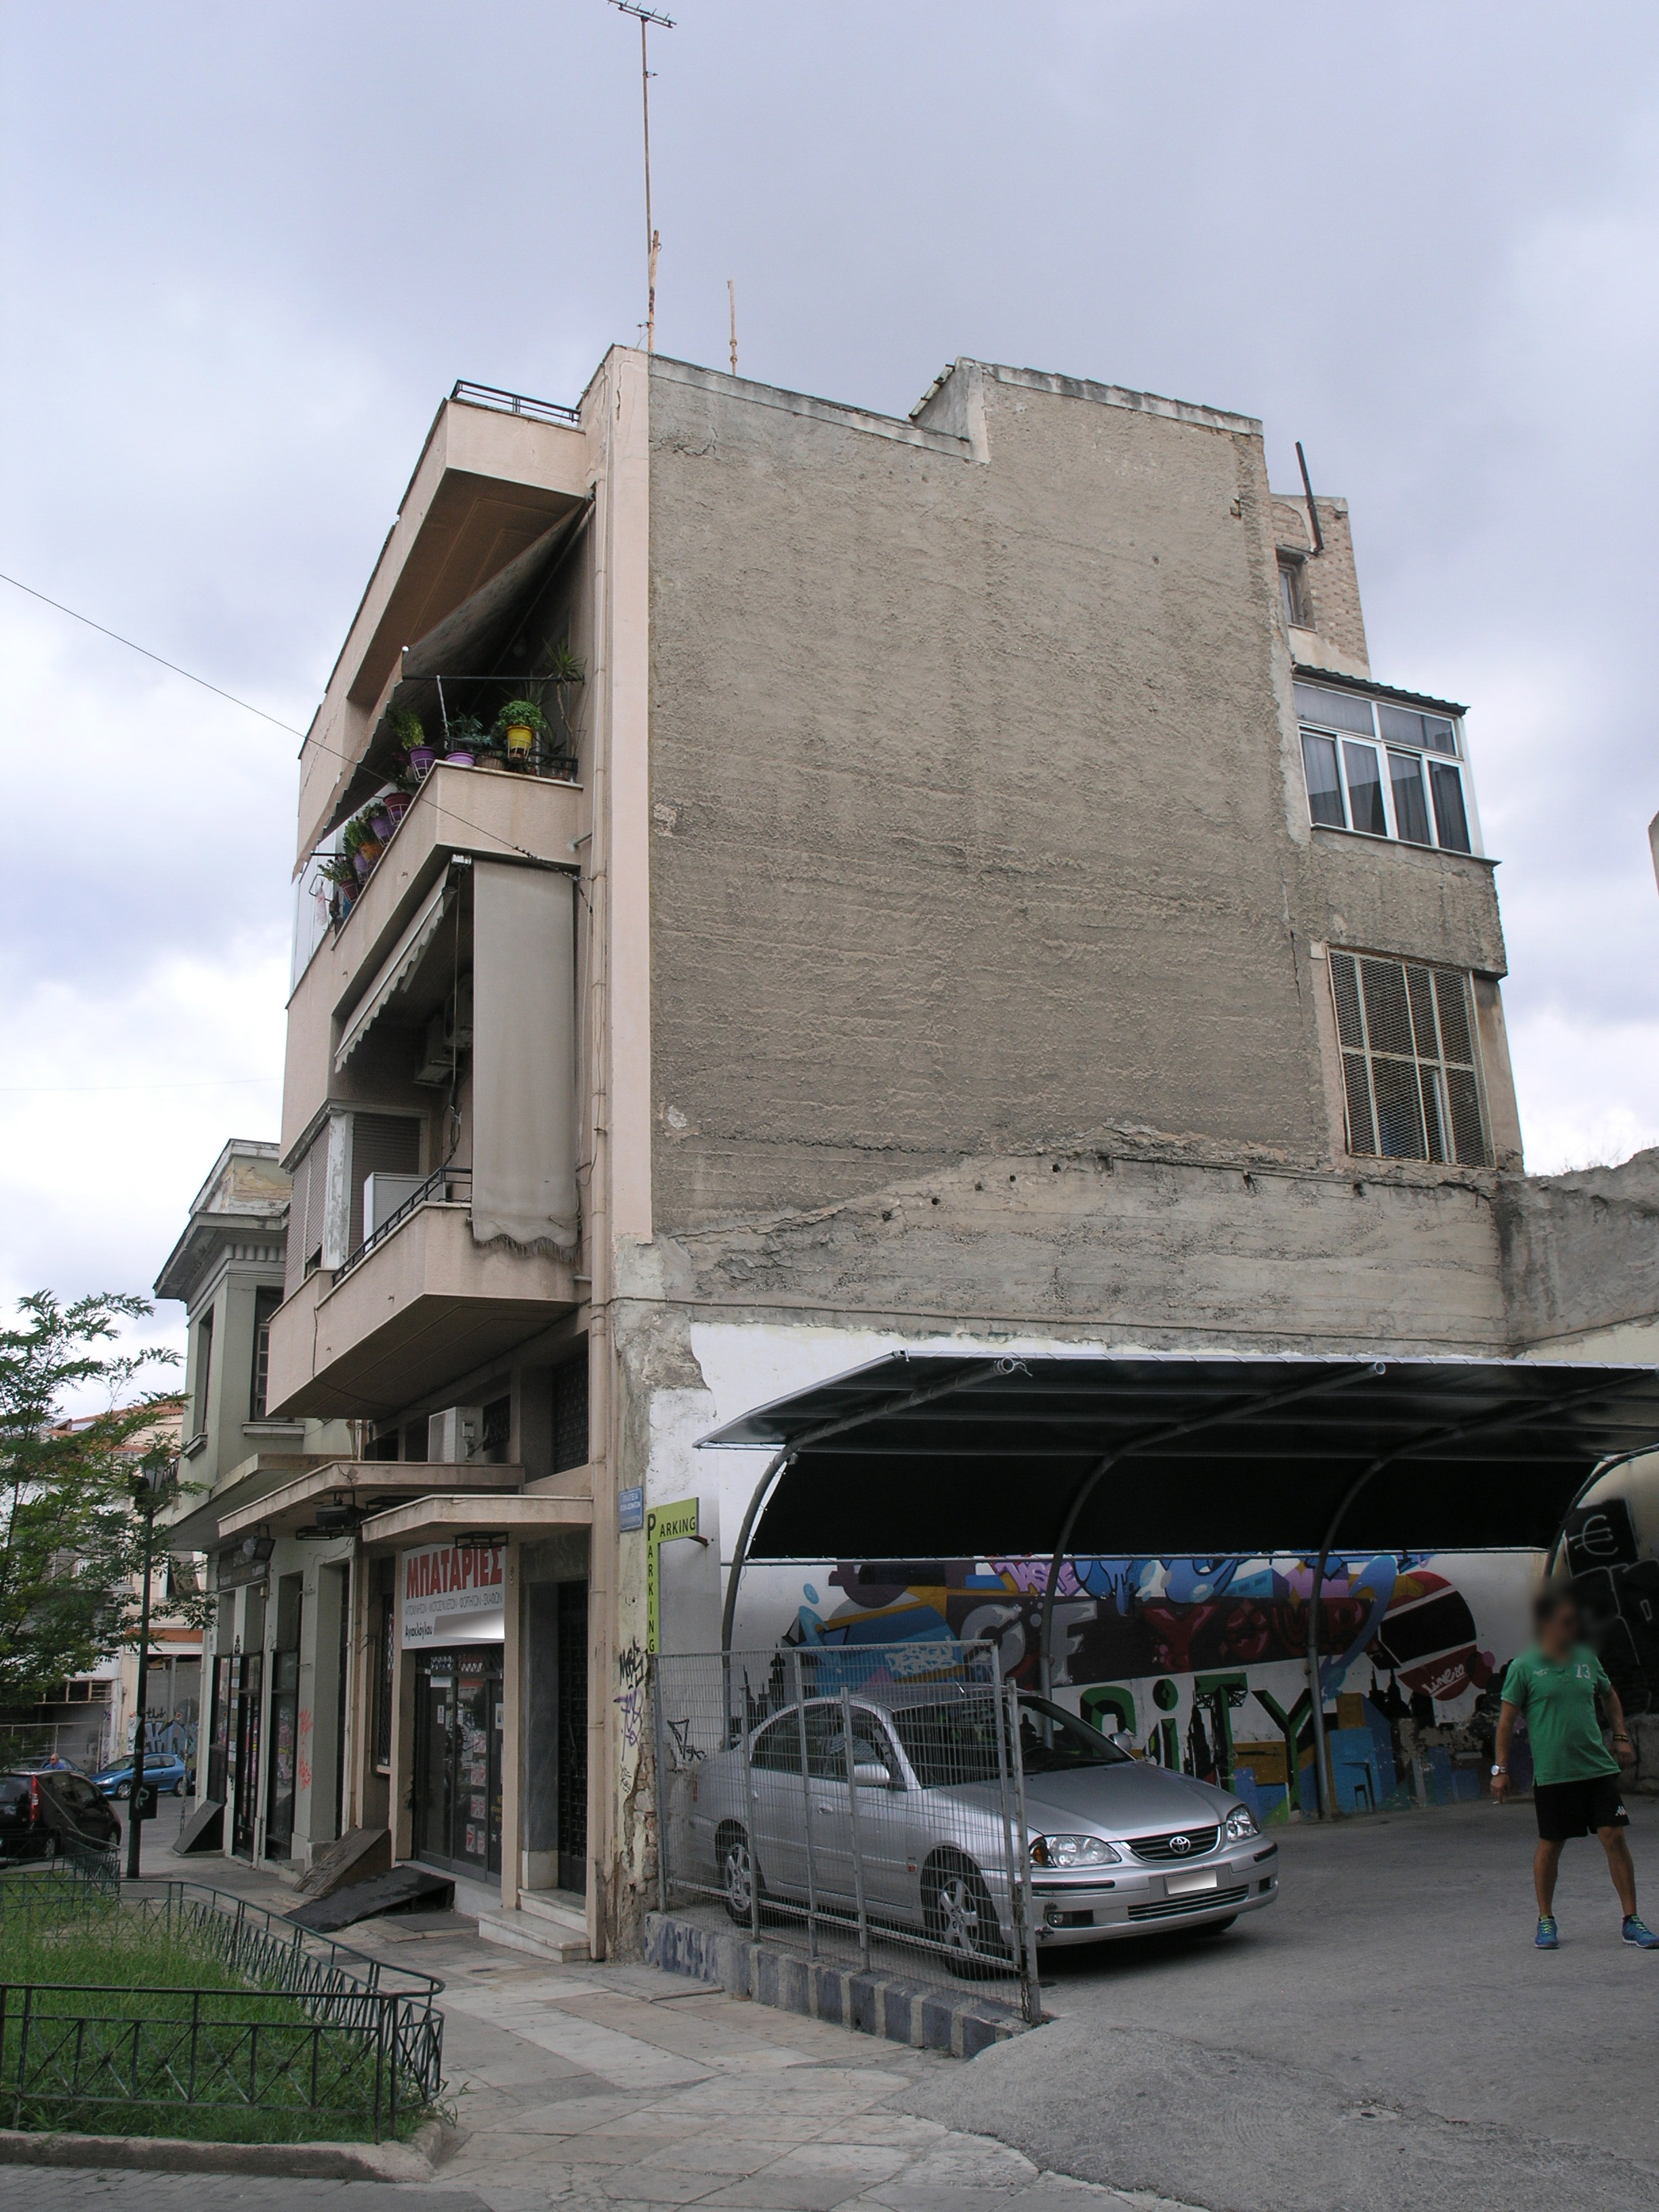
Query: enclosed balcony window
1382 770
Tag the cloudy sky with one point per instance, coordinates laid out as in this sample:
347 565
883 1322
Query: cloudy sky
247 252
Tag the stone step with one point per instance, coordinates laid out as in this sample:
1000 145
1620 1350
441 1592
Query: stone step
562 1907
541 1937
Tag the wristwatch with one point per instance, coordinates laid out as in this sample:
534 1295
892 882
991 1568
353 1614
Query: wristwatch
1500 1770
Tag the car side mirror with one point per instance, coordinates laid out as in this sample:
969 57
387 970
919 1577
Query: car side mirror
1124 1741
868 1776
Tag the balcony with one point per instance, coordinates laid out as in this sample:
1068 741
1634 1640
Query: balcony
370 1487
417 1305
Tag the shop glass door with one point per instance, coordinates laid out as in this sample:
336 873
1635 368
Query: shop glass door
458 1776
284 1737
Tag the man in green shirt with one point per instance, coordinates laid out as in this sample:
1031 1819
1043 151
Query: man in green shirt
1575 1781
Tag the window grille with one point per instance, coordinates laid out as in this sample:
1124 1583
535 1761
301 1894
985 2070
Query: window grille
570 1442
1408 1060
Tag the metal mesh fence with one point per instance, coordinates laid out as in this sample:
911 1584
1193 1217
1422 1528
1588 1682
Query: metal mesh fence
863 1802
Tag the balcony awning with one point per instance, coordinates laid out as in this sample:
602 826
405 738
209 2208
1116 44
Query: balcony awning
445 1520
372 1486
395 972
930 1456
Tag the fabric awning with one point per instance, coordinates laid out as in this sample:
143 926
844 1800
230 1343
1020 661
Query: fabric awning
396 972
924 1456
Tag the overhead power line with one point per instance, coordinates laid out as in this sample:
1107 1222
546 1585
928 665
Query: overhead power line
75 616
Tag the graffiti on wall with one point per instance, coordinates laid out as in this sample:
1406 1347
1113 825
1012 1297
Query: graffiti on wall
1202 1663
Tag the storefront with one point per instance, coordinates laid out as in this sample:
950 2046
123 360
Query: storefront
453 1623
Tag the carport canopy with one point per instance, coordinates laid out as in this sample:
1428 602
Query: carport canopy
1168 1455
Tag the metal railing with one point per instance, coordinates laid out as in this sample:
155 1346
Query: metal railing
513 402
866 1801
318 2031
434 1191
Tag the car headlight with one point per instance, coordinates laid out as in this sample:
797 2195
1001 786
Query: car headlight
1241 1824
1072 1852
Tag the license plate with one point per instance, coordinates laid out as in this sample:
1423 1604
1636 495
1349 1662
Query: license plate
1184 1885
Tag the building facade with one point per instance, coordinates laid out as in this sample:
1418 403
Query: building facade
957 882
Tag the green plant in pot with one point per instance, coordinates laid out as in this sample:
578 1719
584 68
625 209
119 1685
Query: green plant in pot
407 728
463 739
518 726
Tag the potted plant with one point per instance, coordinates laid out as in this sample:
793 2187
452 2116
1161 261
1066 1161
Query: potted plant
381 822
336 868
566 671
396 803
464 740
406 726
518 726
360 845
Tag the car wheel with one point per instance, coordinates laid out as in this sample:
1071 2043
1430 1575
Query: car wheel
1215 1927
737 1869
958 1914
122 1791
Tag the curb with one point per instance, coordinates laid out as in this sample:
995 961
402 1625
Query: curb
414 2160
870 2004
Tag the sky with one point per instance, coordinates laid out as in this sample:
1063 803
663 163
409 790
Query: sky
244 253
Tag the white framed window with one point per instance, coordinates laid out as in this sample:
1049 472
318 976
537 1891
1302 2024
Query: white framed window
1292 597
1410 1071
1383 770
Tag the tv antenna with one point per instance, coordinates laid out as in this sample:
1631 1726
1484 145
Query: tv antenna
648 16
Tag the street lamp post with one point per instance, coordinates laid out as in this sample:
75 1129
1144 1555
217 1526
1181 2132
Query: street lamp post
148 1487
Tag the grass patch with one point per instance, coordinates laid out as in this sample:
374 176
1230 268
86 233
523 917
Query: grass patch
135 2027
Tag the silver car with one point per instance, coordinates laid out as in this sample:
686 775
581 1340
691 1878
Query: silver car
1117 1846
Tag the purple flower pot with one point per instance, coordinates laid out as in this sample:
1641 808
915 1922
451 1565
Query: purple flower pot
362 865
381 825
397 805
421 758
458 760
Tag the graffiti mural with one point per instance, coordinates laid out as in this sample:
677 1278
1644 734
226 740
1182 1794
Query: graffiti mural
1201 1664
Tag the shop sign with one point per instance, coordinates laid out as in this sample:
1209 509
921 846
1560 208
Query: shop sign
664 1525
452 1593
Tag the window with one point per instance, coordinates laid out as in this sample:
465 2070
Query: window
1408 1060
204 1369
1382 770
1292 599
266 1303
570 1444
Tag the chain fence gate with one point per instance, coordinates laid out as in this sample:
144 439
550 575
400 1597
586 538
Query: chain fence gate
863 1802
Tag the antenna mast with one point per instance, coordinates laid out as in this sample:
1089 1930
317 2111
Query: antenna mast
652 241
732 294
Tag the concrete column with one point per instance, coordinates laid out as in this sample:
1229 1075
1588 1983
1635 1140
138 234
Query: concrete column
513 1749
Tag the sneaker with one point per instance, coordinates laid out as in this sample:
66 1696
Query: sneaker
1549 1937
1637 1931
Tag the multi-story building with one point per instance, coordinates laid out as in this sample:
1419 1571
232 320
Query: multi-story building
971 892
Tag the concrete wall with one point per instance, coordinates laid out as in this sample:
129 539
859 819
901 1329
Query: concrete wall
978 824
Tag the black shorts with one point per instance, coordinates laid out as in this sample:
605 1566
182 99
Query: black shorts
1566 1809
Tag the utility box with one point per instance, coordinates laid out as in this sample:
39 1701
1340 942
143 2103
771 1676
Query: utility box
383 1195
455 1434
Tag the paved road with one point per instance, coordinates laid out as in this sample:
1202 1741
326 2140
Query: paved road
1385 2034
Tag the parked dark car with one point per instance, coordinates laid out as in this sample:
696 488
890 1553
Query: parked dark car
164 1772
44 1816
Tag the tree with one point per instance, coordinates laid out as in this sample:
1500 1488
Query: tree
72 1537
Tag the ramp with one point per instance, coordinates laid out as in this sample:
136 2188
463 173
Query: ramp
205 1831
405 1889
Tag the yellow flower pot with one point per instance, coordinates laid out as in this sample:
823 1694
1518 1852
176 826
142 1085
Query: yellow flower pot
519 739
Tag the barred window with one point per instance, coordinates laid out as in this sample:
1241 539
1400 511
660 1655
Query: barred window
1408 1060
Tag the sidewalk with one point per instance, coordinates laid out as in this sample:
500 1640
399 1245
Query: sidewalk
618 2088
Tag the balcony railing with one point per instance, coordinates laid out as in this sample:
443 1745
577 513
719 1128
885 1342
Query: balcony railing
434 1191
514 403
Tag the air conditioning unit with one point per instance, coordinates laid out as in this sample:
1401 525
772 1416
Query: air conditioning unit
383 1195
448 1037
455 1434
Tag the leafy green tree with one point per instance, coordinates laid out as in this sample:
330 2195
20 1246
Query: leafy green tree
71 1535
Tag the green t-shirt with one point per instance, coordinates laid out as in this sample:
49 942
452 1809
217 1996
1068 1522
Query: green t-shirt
1558 1697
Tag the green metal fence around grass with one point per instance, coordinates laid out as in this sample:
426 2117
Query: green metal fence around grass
233 2024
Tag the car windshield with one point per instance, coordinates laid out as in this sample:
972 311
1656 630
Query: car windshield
1053 1741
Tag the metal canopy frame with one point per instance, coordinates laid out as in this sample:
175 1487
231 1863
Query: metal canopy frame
1231 1453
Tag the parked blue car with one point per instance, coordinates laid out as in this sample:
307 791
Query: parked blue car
164 1772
